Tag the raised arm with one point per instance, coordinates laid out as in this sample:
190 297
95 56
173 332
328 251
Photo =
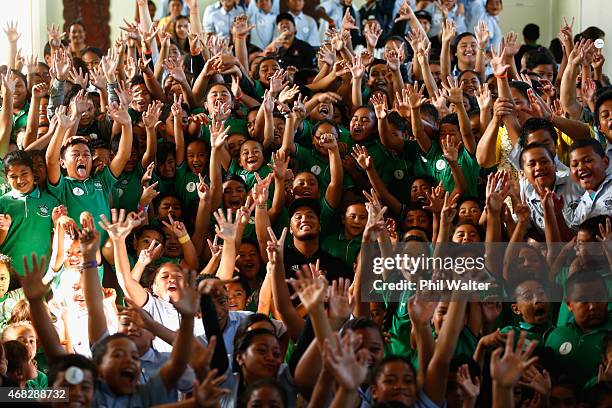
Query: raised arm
226 229
449 29
455 96
38 91
179 138
413 97
150 118
53 151
450 150
190 255
363 159
12 35
6 115
333 194
240 31
357 71
119 113
486 150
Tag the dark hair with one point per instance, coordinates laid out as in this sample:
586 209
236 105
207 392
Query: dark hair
604 96
393 358
428 109
100 348
361 323
468 71
472 101
556 49
248 322
416 228
469 198
521 86
531 32
65 361
157 200
325 122
73 141
581 277
137 80
98 144
534 124
591 225
265 382
539 58
236 178
261 61
451 119
165 149
593 143
243 342
592 33
532 146
94 50
141 230
17 157
16 355
478 228
401 124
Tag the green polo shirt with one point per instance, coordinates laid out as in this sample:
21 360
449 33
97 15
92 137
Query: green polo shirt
19 121
31 219
126 192
304 137
39 382
466 343
534 332
441 171
236 125
341 247
329 220
384 163
249 177
164 186
578 354
92 194
311 160
186 187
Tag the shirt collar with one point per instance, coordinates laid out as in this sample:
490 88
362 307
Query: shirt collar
150 355
17 195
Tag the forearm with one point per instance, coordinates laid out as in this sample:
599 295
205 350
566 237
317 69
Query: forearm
242 53
568 93
356 95
202 223
12 53
131 288
6 123
228 260
480 64
125 150
458 178
502 396
53 155
155 88
278 200
344 398
260 124
425 345
381 189
469 142
190 255
428 78
137 271
322 390
397 81
288 135
573 128
46 332
282 302
486 150
262 223
268 133
445 61
92 290
419 131
333 195
316 84
32 123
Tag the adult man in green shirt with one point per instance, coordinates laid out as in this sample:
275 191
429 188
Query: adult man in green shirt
78 189
27 212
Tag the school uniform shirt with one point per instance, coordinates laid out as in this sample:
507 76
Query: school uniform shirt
441 170
145 395
186 187
165 313
306 29
126 192
219 21
341 247
31 217
232 383
422 401
565 188
249 176
437 18
317 164
92 194
535 332
477 13
265 23
335 11
597 203
275 6
515 153
578 354
150 363
7 303
299 54
19 121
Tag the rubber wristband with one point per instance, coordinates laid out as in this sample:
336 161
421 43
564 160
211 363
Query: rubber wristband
88 265
505 76
184 239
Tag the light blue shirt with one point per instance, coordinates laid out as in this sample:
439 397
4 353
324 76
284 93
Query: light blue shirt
335 11
253 6
599 203
150 363
438 18
145 395
217 20
306 29
477 13
265 24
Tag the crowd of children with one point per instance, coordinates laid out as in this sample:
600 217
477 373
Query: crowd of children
188 218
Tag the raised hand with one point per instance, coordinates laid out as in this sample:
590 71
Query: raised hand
64 121
54 36
8 83
241 26
78 78
5 222
507 370
450 148
449 208
40 90
483 96
261 189
420 311
109 64
276 246
12 35
150 117
32 280
394 59
405 12
89 237
149 35
175 70
202 189
287 94
513 45
376 222
498 186
502 107
277 81
435 199
119 114
124 93
148 194
536 380
208 394
414 95
471 389
500 68
372 33
176 108
226 228
348 366
97 78
310 285
119 227
152 253
327 54
177 227
218 134
340 303
188 296
362 157
449 29
280 161
455 93
60 64
482 34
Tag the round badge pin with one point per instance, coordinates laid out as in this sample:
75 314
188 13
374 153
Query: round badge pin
191 186
78 191
74 375
441 165
599 43
565 348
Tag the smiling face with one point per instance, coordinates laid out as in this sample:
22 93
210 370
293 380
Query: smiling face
172 249
305 224
120 366
5 279
545 71
77 161
21 178
168 279
181 28
418 189
79 395
142 98
372 342
234 194
377 77
469 83
261 359
267 68
167 168
249 262
354 220
538 168
251 156
266 395
466 52
77 35
588 168
140 336
469 211
20 94
604 114
91 59
532 302
145 240
325 128
323 111
466 234
170 206
494 7
305 184
197 156
236 297
363 125
234 142
395 382
416 218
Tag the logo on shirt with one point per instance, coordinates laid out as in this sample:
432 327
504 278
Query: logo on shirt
608 203
191 186
119 192
565 348
398 174
316 170
43 210
440 165
78 191
98 185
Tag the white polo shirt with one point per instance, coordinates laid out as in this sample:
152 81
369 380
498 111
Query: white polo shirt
597 203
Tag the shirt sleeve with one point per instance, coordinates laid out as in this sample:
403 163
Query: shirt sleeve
58 190
207 22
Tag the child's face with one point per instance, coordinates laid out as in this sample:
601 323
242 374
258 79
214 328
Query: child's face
545 71
142 98
101 158
170 206
21 178
418 189
538 168
249 262
251 119
236 297
40 170
197 157
325 128
77 161
532 303
305 185
469 211
251 156
20 94
182 28
73 256
172 249
588 314
88 116
323 111
167 168
469 83
140 138
583 249
264 5
494 7
5 279
417 218
466 50
395 382
140 336
133 161
355 219
82 393
266 69
234 194
605 119
120 366
466 234
363 124
26 336
377 78
235 141
217 93
167 281
279 129
588 168
145 240
450 130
